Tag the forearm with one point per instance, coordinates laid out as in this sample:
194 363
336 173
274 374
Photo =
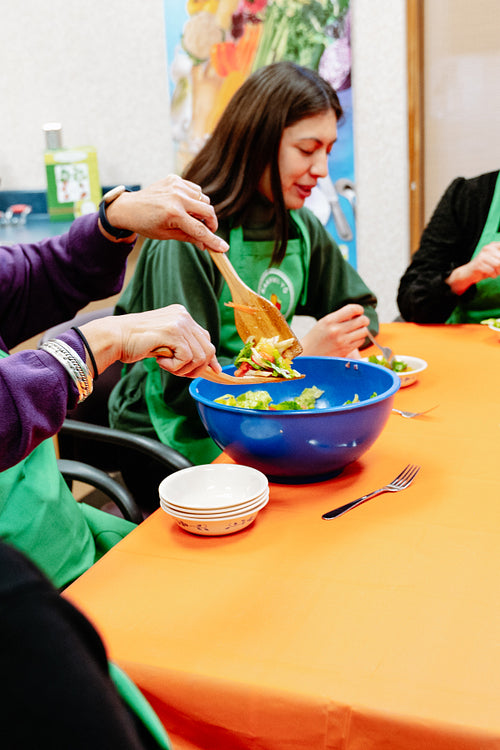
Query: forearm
29 380
46 283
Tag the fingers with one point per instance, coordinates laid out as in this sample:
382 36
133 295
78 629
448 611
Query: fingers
172 208
487 261
338 333
191 355
130 338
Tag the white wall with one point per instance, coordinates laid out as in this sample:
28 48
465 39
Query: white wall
381 146
100 69
462 92
97 67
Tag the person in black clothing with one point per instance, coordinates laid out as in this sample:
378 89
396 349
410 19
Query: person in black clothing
454 276
58 692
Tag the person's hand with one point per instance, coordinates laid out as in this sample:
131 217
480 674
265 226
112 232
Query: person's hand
338 334
132 337
172 208
485 265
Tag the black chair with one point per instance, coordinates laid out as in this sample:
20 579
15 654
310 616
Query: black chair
111 488
142 462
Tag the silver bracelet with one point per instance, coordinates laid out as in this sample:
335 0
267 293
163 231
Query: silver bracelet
74 366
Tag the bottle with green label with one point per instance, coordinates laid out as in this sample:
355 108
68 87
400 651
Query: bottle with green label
73 185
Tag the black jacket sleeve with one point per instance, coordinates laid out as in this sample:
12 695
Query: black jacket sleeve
448 241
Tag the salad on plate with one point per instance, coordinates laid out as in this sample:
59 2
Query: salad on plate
397 365
493 323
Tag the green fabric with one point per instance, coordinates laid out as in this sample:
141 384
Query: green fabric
251 261
175 429
133 697
486 301
153 402
40 516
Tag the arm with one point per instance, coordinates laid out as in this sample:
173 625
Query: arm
46 644
429 289
44 283
48 282
338 298
30 381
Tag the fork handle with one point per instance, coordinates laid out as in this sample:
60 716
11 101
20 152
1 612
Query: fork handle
349 506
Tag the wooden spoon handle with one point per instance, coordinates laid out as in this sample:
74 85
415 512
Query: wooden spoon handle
163 351
234 282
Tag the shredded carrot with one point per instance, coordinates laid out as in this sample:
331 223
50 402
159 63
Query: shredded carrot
242 308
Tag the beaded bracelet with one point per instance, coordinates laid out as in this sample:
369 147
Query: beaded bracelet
74 366
90 352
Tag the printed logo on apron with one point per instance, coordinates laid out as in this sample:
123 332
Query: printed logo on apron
276 286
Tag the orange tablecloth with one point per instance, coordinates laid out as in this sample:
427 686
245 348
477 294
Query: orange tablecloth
380 629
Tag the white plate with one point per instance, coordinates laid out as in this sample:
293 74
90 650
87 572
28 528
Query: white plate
409 376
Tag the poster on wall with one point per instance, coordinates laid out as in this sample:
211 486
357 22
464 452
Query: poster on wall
214 45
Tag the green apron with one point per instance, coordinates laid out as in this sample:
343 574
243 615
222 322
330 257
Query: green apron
486 301
40 516
251 261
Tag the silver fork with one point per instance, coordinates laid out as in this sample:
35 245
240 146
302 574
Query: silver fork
411 414
401 482
386 351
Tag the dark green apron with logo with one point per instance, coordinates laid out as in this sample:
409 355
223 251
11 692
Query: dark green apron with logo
251 260
486 301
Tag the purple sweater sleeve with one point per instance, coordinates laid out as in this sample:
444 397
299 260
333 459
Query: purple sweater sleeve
46 283
42 285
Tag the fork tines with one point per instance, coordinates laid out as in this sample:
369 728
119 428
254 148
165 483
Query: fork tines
406 476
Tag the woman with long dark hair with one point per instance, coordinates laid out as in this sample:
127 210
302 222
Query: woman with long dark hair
262 161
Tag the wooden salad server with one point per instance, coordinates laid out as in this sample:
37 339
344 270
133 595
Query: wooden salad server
254 315
223 377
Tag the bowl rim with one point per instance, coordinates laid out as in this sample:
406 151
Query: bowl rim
311 412
180 475
258 506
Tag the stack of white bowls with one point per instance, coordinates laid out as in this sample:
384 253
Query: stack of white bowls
214 499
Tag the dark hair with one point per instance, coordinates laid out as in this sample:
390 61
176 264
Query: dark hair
247 138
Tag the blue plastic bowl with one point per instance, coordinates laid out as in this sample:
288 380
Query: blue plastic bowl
307 445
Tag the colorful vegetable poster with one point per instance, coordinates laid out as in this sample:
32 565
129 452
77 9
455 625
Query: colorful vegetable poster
214 45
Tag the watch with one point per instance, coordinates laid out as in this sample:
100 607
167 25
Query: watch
108 198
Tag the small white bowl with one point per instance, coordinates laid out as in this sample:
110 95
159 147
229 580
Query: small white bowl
408 377
494 327
213 486
216 526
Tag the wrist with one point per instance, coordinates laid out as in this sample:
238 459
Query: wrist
110 223
102 340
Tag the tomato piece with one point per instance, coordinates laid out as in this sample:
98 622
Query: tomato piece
242 370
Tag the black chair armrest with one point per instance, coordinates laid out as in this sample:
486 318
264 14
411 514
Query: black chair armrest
76 470
167 456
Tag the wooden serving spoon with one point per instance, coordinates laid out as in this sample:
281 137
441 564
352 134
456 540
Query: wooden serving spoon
223 377
254 315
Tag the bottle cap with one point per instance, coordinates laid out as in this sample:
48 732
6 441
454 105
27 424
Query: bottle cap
53 135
